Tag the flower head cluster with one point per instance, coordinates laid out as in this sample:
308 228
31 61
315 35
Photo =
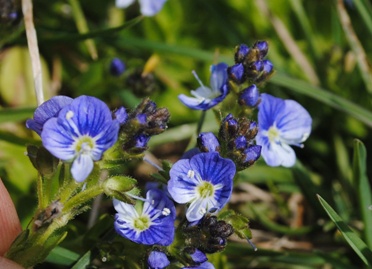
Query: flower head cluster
281 123
205 181
204 97
152 224
237 139
75 130
138 126
148 7
250 64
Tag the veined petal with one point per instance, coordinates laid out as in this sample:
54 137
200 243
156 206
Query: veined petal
218 76
81 167
127 210
151 7
155 225
47 110
123 3
56 141
200 207
193 102
182 184
294 123
205 180
269 108
277 154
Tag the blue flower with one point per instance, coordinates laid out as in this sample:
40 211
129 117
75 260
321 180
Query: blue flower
153 225
157 260
47 110
205 181
81 133
148 7
204 97
281 123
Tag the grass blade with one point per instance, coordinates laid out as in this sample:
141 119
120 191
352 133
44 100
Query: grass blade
323 96
15 114
364 188
62 256
350 236
279 79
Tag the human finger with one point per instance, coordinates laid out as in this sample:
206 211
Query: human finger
9 221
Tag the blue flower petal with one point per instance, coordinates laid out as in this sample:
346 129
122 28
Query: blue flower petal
187 175
160 212
57 140
81 167
281 123
206 98
199 256
123 3
83 129
218 76
157 260
151 7
47 110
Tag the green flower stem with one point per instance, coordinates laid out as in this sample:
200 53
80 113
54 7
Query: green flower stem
41 198
200 122
82 197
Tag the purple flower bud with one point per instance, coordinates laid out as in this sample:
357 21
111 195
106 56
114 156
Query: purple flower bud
236 73
117 67
257 66
252 153
199 256
267 66
141 140
262 47
157 260
241 52
121 115
240 142
208 142
228 128
249 96
141 118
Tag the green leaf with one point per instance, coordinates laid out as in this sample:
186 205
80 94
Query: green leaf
364 188
62 256
15 114
272 226
350 236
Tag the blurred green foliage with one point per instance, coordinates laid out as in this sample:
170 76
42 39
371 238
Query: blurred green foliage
318 63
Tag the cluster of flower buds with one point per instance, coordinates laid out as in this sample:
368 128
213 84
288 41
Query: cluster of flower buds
250 65
237 136
138 126
209 236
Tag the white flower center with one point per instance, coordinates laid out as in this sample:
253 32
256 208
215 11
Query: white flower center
205 190
84 145
273 134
